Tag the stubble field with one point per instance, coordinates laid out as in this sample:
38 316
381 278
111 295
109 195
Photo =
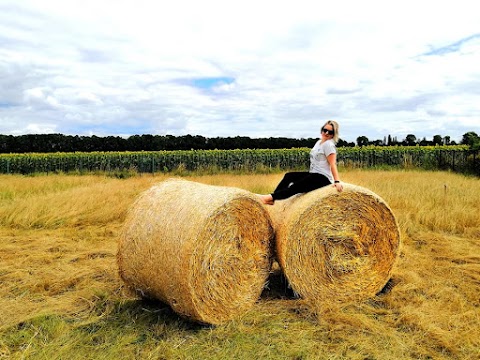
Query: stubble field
61 296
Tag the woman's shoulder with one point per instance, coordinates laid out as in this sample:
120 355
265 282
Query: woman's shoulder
329 146
329 143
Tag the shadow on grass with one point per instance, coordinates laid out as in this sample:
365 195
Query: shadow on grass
278 287
150 313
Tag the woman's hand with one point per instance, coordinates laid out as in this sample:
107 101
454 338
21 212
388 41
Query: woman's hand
338 186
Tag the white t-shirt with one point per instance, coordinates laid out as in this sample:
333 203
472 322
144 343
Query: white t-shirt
318 158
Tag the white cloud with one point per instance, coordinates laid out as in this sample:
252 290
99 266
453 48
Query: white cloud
126 67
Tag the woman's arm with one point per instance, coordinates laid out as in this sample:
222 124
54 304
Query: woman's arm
332 161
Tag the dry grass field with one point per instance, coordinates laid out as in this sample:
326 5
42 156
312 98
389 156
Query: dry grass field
61 296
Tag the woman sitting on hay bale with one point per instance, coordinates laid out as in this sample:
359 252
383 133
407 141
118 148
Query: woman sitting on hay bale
323 169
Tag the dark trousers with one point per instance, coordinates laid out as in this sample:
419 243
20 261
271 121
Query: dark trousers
299 182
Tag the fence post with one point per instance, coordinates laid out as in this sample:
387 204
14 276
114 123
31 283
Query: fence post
476 168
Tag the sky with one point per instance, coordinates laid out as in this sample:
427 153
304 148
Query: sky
240 68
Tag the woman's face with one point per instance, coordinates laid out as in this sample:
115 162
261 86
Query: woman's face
327 132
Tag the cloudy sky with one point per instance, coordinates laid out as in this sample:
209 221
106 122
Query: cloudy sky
249 68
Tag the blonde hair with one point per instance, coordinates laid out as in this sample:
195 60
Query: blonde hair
336 129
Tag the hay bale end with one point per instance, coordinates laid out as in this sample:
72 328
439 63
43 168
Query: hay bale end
204 250
336 246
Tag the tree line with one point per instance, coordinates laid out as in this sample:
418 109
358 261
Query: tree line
48 143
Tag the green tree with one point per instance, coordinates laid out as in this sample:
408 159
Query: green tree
410 140
437 140
362 141
470 138
425 142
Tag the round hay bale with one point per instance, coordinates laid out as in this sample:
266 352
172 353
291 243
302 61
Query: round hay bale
204 250
335 246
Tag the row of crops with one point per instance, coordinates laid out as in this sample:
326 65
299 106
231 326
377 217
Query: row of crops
457 158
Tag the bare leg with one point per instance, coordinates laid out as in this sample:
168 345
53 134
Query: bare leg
266 199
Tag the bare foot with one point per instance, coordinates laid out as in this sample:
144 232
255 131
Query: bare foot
266 199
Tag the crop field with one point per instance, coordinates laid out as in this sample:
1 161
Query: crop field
61 296
458 158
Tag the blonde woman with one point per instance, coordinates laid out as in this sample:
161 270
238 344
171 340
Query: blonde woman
323 168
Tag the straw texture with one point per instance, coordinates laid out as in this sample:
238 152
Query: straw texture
335 246
204 250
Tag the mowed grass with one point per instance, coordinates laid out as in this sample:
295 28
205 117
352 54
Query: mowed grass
61 296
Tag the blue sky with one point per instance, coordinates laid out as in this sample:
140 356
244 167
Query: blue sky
210 83
240 68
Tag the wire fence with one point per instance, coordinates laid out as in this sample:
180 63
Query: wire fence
458 159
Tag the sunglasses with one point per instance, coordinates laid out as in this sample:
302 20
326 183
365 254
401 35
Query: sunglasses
329 132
